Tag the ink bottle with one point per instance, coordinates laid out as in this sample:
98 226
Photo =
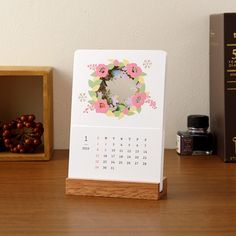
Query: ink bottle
197 140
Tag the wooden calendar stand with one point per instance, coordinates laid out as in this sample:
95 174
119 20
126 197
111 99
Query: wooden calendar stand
116 189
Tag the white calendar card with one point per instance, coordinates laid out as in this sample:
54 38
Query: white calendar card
117 119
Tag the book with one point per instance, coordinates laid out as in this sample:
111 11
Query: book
223 84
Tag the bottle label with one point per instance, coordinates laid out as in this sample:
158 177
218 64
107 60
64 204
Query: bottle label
178 144
184 144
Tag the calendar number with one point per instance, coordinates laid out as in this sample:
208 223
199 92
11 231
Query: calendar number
115 153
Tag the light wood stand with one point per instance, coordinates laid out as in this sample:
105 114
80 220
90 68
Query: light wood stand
27 90
116 189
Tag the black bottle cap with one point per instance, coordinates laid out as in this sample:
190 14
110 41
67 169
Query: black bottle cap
198 121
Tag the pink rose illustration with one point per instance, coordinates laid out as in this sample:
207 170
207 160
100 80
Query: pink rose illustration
101 106
116 63
133 70
102 70
138 99
126 111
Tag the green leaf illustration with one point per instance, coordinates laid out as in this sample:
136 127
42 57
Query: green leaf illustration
110 66
121 107
121 65
92 93
130 113
91 101
139 110
117 113
97 82
91 84
142 89
143 74
96 87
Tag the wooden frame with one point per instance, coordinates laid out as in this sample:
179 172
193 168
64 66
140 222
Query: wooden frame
44 73
116 189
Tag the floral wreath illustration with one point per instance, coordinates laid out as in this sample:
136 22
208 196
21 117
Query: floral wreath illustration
101 98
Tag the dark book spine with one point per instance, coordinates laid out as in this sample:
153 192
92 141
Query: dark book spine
217 91
230 85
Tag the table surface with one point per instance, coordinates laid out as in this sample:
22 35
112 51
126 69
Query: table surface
201 201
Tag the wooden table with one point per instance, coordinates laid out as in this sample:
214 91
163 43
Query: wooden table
201 201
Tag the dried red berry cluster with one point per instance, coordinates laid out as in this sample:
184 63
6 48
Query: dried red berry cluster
22 135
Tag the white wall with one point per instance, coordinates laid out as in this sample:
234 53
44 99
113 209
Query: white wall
47 32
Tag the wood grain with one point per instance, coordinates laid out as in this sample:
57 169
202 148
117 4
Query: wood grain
8 156
115 189
200 202
44 74
24 70
48 112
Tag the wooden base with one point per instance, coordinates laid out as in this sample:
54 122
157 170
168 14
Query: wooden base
115 189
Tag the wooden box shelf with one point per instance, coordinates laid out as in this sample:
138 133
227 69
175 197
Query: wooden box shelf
28 90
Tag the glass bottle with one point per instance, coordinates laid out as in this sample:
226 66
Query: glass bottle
196 140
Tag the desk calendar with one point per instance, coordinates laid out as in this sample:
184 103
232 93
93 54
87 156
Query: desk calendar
117 122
